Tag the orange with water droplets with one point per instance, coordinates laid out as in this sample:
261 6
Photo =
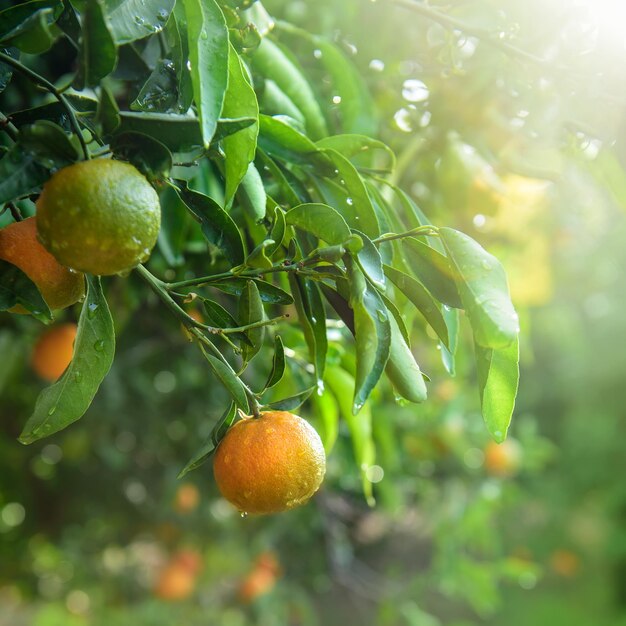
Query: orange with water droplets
269 463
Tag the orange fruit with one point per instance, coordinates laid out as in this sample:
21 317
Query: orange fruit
177 580
269 464
261 579
59 287
565 563
53 351
187 498
99 216
503 459
175 583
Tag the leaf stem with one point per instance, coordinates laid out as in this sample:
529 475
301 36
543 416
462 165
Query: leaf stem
258 324
46 84
8 127
159 288
427 230
252 399
254 273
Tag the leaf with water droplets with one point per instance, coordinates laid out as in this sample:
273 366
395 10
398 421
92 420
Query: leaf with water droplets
131 20
67 400
207 35
484 290
498 379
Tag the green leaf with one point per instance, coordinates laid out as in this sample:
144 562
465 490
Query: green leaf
131 20
434 271
283 141
498 379
210 445
160 92
175 227
288 195
274 101
370 262
250 311
402 368
14 16
178 132
147 154
448 352
484 290
422 300
98 52
278 364
229 379
252 194
17 288
66 401
176 34
34 35
107 113
360 426
356 108
239 148
312 318
271 62
278 232
20 174
372 334
207 36
49 144
217 315
320 220
357 209
360 149
291 403
217 226
268 292
326 410
260 257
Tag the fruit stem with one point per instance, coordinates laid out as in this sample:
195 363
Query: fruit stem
40 80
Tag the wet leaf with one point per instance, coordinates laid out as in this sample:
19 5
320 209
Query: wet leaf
66 401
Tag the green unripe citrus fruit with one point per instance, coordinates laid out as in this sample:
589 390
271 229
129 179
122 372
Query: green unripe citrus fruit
99 216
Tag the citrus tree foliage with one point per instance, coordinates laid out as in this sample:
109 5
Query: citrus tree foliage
282 221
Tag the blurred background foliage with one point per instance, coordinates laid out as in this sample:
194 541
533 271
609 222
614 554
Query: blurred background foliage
507 119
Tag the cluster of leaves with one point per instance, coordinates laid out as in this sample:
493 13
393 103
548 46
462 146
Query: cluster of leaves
201 97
